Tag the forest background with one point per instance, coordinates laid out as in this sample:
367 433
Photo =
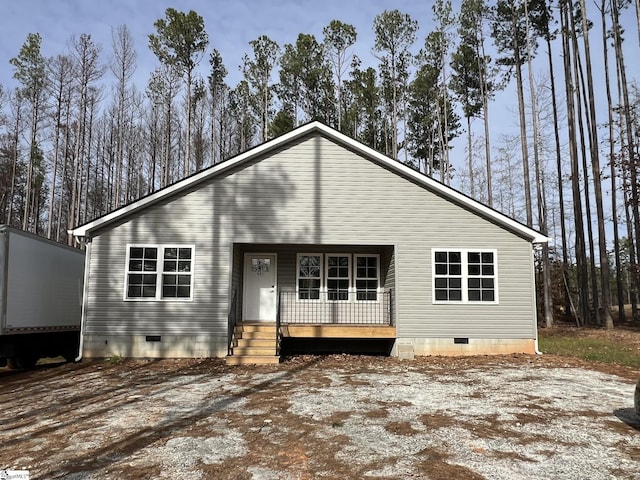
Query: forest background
530 107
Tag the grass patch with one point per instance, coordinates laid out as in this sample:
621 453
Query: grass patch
114 359
591 349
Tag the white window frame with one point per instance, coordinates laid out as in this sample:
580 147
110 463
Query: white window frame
379 290
465 276
349 277
320 288
158 273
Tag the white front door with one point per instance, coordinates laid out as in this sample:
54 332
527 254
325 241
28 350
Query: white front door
260 289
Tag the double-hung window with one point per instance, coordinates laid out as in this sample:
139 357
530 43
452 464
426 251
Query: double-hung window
367 277
481 282
338 277
159 272
464 276
309 276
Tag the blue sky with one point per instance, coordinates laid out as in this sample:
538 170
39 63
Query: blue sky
231 25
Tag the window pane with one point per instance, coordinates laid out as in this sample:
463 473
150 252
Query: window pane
488 296
455 257
441 283
168 291
149 291
135 265
474 269
184 266
135 279
169 266
170 253
487 257
184 291
487 269
184 253
474 283
134 291
474 295
313 260
455 295
441 257
455 283
136 252
455 269
441 295
184 279
473 257
149 279
441 268
151 252
487 283
149 266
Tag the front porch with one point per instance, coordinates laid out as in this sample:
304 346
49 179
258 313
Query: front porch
299 295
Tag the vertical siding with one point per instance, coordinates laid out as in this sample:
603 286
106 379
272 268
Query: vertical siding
312 193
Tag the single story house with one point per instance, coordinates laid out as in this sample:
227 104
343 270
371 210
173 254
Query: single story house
309 235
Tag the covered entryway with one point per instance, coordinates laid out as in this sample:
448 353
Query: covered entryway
306 292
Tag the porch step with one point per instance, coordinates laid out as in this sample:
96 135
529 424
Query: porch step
253 343
252 351
252 359
261 335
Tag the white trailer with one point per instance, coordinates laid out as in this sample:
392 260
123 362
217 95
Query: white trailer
40 298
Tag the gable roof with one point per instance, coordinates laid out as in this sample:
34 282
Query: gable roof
309 128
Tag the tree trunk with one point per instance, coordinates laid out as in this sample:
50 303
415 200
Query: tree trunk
16 149
604 314
523 125
581 260
470 158
626 112
556 132
541 196
612 165
187 154
580 98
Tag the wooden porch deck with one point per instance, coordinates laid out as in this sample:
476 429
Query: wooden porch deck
337 331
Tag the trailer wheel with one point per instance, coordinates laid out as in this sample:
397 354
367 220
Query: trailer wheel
70 357
26 362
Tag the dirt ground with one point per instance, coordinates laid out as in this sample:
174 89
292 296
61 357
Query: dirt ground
331 417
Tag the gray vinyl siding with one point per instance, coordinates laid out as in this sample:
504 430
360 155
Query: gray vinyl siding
310 194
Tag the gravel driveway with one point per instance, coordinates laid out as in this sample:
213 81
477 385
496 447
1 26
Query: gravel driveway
337 417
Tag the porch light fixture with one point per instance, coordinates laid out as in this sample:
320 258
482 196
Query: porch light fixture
260 265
